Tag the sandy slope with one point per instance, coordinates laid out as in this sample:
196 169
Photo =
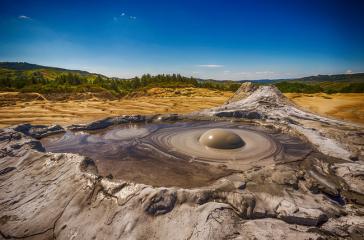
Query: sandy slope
346 106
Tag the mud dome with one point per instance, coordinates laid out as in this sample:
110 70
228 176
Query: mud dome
218 138
171 154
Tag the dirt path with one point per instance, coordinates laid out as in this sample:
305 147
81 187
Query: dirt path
345 106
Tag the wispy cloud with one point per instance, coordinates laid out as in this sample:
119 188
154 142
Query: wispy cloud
24 17
264 72
349 71
211 65
125 16
243 73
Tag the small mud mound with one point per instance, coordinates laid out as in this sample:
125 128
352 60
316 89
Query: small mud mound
244 91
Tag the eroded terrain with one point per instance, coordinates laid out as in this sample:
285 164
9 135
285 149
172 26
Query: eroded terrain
16 108
312 188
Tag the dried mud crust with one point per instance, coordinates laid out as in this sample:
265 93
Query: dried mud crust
61 196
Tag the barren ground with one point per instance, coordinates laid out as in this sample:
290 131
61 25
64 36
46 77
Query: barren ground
34 108
345 106
16 108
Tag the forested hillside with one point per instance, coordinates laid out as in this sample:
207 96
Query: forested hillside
26 77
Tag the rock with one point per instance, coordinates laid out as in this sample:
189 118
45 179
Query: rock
301 216
6 170
272 229
240 114
354 157
285 177
347 227
107 122
353 175
160 202
239 184
39 131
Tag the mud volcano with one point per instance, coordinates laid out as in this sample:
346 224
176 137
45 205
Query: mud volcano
257 167
183 154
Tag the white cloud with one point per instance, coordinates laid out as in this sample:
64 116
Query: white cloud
349 71
132 17
122 14
24 17
210 65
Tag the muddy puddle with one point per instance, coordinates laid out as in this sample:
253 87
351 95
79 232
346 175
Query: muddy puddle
169 154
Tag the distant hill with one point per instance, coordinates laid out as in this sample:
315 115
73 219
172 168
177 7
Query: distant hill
24 66
27 77
355 77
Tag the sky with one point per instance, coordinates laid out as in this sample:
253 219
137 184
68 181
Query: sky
225 39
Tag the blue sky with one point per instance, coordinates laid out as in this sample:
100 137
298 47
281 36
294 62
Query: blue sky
227 39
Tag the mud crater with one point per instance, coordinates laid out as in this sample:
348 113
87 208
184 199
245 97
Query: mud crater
171 154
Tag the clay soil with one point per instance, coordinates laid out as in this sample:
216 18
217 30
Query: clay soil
344 106
16 108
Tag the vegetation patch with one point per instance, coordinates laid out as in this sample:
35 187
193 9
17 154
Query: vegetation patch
317 87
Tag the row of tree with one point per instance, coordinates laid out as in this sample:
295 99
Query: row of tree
75 82
326 87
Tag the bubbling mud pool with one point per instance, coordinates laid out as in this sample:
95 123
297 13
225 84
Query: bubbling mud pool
182 154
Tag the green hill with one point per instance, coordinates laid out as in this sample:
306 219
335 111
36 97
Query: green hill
23 66
26 77
339 83
14 70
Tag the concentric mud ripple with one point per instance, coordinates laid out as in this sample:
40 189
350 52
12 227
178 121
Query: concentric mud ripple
181 141
162 154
